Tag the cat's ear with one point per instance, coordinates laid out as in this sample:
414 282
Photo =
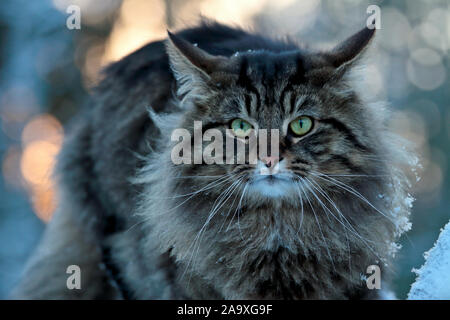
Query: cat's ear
351 49
331 66
192 66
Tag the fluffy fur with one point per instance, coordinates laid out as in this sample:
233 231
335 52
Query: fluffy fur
141 227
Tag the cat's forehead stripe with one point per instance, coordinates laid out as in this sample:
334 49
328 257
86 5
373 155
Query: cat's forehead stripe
245 82
268 73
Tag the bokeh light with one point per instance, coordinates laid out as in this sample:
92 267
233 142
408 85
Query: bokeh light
134 28
41 141
93 11
425 69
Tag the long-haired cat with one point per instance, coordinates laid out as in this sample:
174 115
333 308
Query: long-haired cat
330 204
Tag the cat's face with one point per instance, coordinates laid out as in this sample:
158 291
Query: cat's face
313 119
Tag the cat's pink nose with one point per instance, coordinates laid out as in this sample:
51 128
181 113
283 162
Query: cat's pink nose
270 161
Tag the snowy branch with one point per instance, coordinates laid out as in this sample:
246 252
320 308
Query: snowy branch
433 278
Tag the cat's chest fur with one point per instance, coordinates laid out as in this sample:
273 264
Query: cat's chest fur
262 255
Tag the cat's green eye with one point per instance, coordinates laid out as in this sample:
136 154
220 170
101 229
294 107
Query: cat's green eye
241 128
301 126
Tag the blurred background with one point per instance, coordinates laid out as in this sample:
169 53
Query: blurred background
47 71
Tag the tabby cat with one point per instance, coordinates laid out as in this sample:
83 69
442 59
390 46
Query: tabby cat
139 226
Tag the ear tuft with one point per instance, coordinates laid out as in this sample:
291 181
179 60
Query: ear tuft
192 66
184 55
351 48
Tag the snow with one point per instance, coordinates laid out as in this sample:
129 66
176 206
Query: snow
433 281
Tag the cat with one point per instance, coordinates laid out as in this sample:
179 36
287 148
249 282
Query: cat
331 203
